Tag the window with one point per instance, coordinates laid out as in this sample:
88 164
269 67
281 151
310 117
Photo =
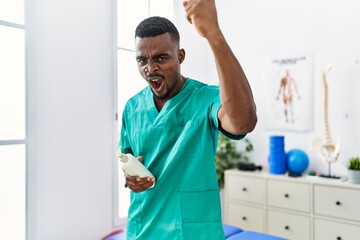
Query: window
12 121
129 82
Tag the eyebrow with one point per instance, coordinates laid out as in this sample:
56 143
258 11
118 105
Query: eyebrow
156 56
140 57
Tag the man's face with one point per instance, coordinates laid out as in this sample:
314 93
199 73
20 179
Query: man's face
159 60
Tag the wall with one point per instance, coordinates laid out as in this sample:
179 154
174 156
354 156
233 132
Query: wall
71 119
328 30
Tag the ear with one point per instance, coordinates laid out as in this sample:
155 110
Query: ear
181 55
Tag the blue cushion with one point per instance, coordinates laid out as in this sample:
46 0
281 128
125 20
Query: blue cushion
118 236
250 235
230 230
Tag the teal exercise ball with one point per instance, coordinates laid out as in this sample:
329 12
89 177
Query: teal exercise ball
297 161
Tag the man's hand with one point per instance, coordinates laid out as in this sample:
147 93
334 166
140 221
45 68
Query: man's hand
202 14
138 184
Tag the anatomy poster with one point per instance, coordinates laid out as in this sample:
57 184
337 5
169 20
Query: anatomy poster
289 93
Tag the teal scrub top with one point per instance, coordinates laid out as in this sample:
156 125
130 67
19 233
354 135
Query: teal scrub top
178 145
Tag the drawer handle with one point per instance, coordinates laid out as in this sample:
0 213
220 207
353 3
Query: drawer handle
287 227
338 238
244 189
244 218
286 195
338 203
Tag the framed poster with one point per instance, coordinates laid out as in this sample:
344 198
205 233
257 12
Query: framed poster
289 93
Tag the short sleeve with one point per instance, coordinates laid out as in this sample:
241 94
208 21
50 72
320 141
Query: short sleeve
215 107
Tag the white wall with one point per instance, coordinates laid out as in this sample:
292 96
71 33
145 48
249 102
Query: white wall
329 30
71 120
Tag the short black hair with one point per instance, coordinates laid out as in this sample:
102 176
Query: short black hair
154 26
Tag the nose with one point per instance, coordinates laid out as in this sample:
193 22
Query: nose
151 67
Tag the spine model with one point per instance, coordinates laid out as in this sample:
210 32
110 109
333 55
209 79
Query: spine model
327 141
330 149
327 147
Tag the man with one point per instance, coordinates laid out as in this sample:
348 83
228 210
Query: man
172 126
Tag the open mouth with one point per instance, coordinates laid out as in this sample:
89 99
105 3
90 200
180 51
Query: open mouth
155 82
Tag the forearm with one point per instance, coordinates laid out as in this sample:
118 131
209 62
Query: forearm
238 114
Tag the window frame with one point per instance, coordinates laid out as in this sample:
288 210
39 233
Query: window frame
25 140
117 221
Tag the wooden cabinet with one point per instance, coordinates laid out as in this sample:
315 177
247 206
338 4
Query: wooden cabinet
337 202
331 229
288 225
249 189
246 216
305 208
290 195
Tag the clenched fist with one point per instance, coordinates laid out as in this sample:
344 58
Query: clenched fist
202 14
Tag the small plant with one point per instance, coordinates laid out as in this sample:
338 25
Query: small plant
228 157
354 163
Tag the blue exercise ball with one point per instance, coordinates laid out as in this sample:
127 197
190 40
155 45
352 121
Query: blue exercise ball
297 161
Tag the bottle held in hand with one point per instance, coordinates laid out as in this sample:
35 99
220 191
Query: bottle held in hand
133 166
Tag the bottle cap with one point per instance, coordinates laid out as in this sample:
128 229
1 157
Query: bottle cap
122 157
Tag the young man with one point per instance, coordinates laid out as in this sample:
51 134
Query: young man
172 126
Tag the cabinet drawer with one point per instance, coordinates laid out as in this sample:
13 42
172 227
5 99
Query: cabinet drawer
330 230
290 226
247 218
337 202
245 188
289 195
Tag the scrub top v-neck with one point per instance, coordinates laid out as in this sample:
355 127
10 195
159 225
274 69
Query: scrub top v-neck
178 146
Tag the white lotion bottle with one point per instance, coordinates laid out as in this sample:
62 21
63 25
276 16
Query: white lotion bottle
133 166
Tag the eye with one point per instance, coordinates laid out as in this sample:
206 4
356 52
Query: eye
161 59
141 61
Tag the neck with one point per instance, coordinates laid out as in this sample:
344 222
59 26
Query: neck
159 103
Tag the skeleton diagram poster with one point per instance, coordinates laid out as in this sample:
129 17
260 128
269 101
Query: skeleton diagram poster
289 93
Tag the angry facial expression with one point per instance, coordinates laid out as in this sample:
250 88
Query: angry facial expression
159 60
